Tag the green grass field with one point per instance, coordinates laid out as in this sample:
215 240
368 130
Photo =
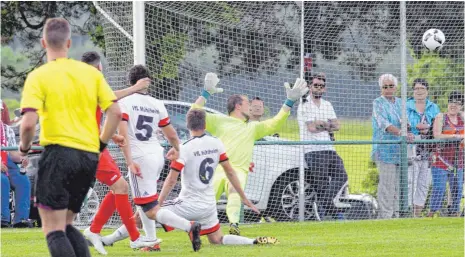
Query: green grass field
356 157
402 237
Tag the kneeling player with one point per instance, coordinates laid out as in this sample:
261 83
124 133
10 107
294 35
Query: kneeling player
199 157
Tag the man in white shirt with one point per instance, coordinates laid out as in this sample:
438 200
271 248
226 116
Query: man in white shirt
318 121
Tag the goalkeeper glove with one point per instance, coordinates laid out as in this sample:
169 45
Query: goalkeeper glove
211 80
297 91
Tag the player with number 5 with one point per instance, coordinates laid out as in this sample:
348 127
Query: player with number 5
238 136
142 116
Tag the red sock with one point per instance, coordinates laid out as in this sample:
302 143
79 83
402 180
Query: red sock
125 212
107 207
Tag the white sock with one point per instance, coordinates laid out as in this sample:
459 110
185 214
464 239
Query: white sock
169 218
148 224
119 234
237 240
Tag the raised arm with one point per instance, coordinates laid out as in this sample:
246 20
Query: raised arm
211 80
272 125
140 85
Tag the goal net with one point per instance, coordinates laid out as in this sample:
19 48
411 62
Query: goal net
255 47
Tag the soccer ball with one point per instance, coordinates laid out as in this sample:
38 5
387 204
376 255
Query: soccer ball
433 39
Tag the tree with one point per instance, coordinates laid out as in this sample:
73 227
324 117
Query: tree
443 75
23 22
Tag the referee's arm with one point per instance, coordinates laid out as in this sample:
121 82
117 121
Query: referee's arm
32 100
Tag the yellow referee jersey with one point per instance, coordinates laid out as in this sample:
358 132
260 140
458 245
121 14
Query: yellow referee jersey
65 93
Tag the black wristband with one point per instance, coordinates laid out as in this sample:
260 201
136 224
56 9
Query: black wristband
102 146
25 150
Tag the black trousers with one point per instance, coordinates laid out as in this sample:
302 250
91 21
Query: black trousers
328 177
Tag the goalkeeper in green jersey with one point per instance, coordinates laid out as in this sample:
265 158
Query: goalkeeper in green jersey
238 136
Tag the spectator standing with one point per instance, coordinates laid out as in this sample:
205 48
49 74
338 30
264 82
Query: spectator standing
386 125
448 159
257 109
421 113
317 119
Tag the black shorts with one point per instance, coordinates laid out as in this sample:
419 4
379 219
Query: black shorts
64 177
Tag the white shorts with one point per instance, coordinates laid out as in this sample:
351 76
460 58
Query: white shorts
144 190
207 216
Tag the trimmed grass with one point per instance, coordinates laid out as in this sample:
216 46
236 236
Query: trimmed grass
356 157
402 237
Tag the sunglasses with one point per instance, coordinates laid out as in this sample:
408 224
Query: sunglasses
318 85
388 86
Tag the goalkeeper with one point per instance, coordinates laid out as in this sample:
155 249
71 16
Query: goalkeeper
239 135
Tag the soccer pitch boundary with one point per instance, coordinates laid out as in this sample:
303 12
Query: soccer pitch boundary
401 237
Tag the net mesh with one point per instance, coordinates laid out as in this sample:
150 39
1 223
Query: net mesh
255 47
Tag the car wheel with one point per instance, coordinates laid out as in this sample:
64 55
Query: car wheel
284 200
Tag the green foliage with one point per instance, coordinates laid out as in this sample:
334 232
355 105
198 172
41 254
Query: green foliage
370 182
24 21
12 104
443 75
172 51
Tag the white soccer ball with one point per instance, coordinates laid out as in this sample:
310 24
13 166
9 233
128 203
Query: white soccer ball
433 39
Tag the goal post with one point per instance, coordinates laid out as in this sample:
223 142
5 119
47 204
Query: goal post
138 13
256 46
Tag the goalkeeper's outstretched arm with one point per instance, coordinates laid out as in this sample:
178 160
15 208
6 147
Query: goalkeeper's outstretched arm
211 80
271 126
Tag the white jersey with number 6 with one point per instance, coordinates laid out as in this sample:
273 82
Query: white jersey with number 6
199 157
145 115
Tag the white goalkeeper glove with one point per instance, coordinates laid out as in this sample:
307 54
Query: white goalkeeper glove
297 91
211 80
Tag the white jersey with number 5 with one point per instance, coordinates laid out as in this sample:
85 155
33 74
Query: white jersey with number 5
199 157
145 115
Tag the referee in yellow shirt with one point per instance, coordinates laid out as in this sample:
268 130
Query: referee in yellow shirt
65 94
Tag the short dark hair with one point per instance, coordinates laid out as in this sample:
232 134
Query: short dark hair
309 77
196 119
257 98
136 73
56 32
456 96
91 58
232 101
420 81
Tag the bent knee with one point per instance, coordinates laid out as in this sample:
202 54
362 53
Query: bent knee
215 240
120 187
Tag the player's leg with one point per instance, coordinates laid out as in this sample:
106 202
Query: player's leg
82 177
52 197
170 216
233 207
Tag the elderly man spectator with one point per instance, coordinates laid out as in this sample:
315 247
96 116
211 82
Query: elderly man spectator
421 113
317 119
386 122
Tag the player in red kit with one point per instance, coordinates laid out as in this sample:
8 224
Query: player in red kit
109 174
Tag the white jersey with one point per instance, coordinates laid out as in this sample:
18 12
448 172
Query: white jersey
145 115
199 157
